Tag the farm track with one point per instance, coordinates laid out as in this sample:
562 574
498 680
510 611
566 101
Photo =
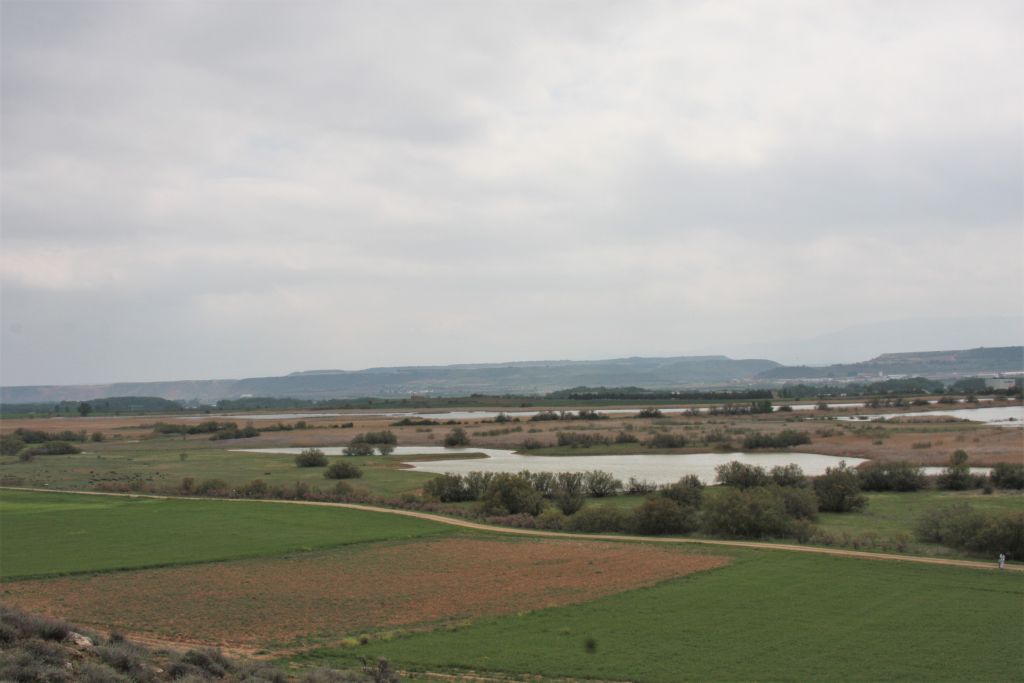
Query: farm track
476 526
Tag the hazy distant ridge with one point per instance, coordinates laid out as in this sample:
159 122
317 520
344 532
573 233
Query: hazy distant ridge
923 363
534 377
515 377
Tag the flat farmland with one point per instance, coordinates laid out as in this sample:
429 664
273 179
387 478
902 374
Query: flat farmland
52 533
374 587
765 616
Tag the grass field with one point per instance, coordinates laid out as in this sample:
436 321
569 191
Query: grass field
49 533
159 462
766 616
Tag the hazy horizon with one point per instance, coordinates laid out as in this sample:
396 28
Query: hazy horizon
222 190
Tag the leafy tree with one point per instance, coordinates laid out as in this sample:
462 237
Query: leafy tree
510 494
838 490
358 448
340 469
742 476
750 513
84 408
1008 476
600 484
385 449
598 518
569 492
311 457
447 488
956 477
891 476
688 491
790 475
660 515
457 438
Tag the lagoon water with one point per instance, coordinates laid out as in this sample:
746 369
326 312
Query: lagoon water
1004 416
658 468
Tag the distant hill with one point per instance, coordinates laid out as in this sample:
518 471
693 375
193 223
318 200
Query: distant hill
532 377
536 377
933 364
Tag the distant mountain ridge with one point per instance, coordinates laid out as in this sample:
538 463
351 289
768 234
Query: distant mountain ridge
934 364
534 377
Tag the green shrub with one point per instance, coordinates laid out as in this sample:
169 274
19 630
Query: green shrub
660 515
962 527
838 490
456 438
510 494
784 439
790 475
49 448
891 476
649 413
1008 476
447 488
311 457
688 491
257 488
10 444
666 440
339 469
358 448
569 492
385 436
626 437
601 484
800 503
582 439
958 477
551 519
597 519
208 486
740 475
476 483
749 513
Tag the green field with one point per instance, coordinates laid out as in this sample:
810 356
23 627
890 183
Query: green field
767 616
158 462
48 533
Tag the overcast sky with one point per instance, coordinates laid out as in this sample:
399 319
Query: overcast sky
231 189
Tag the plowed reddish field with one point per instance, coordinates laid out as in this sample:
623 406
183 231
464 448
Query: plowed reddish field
328 595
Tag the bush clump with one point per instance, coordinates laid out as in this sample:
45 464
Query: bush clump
598 518
740 475
660 515
755 512
456 438
340 469
838 490
891 476
582 439
311 457
784 439
666 440
957 476
688 491
1008 476
962 527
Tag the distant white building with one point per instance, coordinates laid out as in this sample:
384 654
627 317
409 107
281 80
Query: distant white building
999 383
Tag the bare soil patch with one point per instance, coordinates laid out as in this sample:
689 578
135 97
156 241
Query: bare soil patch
328 595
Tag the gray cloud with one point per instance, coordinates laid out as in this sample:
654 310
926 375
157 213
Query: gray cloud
245 188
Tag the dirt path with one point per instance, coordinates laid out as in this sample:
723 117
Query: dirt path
465 524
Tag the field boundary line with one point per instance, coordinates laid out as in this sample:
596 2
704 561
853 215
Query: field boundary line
540 533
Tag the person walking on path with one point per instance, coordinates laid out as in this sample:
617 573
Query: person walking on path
1002 560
